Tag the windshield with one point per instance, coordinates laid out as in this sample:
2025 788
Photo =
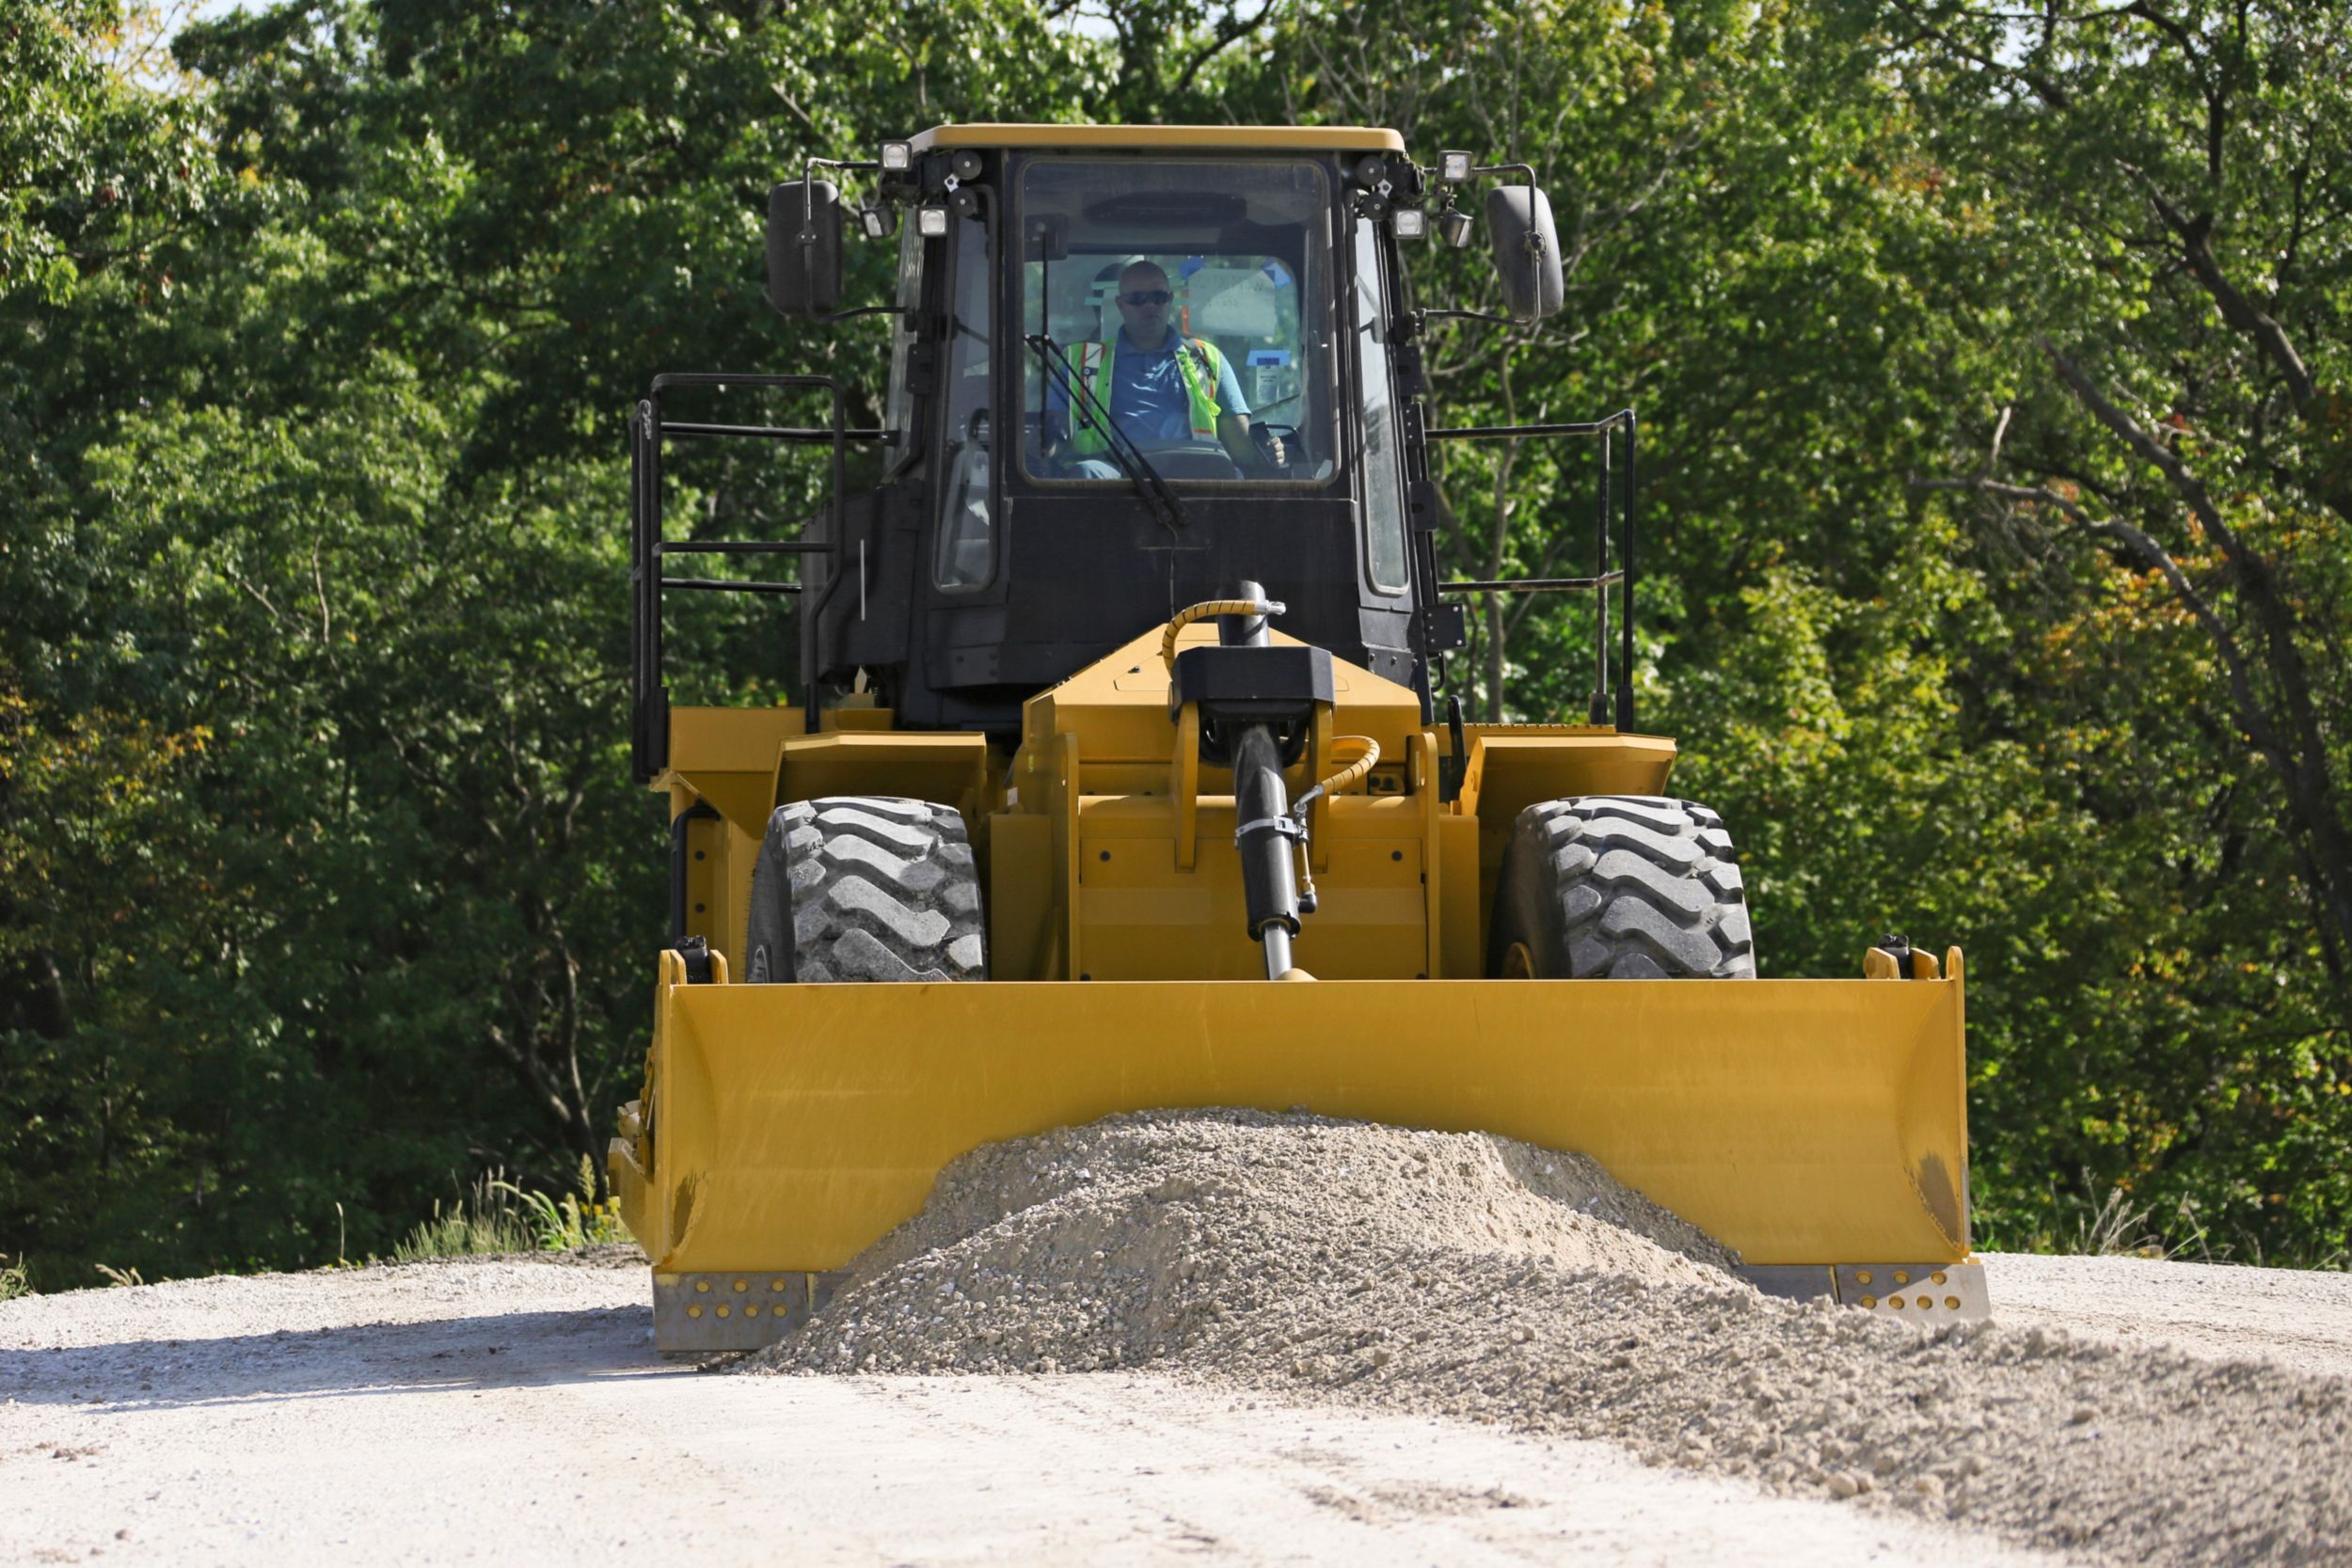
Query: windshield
1187 296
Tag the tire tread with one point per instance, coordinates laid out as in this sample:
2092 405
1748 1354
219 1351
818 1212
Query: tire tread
878 889
1623 886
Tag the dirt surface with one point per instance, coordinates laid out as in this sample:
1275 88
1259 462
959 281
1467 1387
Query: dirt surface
513 1409
2301 1322
1475 1278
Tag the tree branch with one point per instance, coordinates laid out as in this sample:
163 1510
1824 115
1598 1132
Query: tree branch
2301 763
2142 548
2043 87
2149 449
1232 33
2196 237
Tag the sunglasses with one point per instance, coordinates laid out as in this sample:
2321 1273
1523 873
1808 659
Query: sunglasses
1148 296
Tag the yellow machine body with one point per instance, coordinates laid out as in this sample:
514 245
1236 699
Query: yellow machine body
1811 1124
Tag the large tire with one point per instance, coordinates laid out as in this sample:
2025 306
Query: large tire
864 888
1622 887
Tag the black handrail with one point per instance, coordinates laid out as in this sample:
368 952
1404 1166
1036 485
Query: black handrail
1532 585
766 432
736 546
649 728
1603 575
731 585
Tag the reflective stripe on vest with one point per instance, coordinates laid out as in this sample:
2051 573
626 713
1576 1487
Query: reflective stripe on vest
1095 361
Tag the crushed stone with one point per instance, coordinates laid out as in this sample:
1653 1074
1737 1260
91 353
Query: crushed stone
1474 1277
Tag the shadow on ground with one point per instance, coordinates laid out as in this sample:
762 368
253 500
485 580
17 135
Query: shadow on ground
460 1355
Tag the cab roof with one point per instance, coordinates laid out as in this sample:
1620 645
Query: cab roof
1251 139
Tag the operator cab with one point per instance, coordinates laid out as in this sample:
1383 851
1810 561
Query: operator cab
1066 483
1129 368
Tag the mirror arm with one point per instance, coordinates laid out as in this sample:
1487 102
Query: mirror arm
808 179
1420 318
1473 316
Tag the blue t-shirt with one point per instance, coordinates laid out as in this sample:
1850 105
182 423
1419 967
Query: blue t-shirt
1148 396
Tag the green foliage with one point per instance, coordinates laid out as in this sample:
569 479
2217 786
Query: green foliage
2162 519
495 1217
558 1225
320 876
498 1215
98 177
14 1282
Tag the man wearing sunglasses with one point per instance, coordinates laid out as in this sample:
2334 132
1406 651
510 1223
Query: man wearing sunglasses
1162 387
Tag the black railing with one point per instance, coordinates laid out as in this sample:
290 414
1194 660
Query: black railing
1604 574
649 726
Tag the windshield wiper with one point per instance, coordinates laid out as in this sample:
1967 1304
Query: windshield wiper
1130 458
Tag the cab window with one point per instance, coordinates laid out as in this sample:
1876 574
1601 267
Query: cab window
1223 264
968 538
1384 474
898 406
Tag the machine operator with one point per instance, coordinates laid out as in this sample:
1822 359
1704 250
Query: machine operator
1161 387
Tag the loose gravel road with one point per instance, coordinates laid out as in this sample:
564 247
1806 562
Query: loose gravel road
512 1410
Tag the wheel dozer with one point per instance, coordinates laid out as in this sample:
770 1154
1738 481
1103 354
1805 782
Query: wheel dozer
1126 774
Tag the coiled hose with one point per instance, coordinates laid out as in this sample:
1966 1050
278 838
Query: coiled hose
1345 776
1202 611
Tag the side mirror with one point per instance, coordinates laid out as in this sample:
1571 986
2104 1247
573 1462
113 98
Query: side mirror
804 248
1527 250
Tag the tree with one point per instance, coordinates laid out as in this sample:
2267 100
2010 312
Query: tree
329 545
2169 396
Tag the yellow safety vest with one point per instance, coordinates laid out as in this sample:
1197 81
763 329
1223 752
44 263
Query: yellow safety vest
1095 361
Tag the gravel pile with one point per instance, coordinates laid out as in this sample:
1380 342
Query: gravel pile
1476 1277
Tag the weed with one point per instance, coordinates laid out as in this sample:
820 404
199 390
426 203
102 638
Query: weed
501 1216
574 1220
14 1281
2118 1228
119 1277
487 1220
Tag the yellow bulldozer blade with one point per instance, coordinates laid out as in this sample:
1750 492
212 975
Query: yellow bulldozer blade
1802 1122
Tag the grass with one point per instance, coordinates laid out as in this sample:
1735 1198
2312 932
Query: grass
497 1216
573 1220
494 1216
487 1219
2115 1227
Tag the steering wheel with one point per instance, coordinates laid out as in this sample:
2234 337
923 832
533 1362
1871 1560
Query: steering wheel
1277 444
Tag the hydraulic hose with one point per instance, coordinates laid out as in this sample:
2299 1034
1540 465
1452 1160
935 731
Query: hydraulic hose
1347 775
1206 608
1340 780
